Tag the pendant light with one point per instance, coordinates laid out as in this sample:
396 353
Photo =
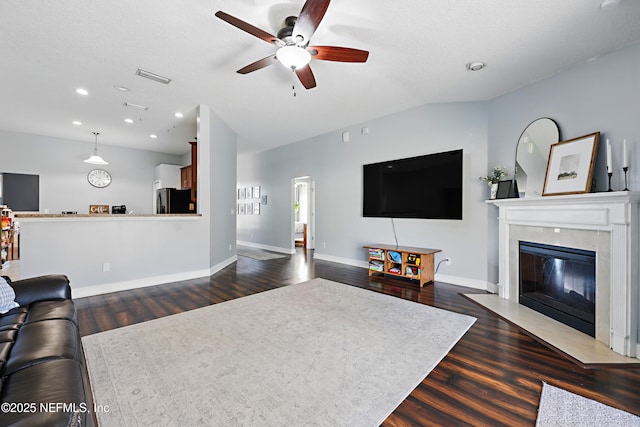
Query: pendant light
95 159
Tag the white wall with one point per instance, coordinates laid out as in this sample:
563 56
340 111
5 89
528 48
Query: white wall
63 174
336 168
138 251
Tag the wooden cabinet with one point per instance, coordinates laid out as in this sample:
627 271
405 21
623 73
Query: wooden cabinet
189 174
194 170
186 177
402 261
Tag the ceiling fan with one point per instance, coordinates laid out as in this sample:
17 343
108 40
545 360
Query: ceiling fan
293 40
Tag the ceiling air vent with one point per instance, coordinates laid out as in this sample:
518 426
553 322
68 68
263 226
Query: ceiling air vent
153 76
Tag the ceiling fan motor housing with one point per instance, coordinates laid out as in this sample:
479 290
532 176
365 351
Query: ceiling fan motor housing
286 33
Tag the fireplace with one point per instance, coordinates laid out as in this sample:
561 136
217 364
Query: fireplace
606 223
559 282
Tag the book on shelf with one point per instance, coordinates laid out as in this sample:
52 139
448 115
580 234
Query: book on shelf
376 254
376 265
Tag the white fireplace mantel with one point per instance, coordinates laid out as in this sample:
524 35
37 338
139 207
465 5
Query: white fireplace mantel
614 213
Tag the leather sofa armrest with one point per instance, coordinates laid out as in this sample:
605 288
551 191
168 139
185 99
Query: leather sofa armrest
41 288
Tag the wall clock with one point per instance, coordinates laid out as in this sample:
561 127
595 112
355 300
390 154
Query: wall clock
99 178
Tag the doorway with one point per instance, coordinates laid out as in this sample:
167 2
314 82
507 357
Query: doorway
304 212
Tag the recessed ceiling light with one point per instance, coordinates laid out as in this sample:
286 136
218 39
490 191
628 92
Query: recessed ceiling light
475 66
121 88
82 91
128 120
76 122
153 136
179 115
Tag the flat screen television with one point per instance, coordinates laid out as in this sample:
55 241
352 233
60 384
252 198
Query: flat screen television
428 187
21 192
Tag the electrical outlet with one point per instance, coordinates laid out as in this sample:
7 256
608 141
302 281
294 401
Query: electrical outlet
447 261
324 245
106 267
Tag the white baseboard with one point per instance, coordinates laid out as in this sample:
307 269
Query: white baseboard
219 266
287 251
148 281
463 281
340 260
454 280
494 288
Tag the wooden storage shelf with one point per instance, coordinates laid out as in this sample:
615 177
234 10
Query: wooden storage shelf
6 234
402 261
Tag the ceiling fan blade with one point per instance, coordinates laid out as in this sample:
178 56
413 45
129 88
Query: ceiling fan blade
264 62
310 16
244 26
306 77
339 54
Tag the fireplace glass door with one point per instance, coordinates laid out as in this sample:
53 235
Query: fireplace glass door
559 282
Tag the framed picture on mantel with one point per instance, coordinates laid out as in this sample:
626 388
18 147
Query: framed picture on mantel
570 166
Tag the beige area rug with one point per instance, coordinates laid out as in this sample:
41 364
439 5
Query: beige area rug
318 353
560 408
258 254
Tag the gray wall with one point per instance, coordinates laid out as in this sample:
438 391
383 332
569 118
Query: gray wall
63 174
221 174
336 168
598 96
601 95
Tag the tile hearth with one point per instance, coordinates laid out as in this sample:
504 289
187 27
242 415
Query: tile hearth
606 223
579 347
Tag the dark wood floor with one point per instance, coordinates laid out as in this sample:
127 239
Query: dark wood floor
493 376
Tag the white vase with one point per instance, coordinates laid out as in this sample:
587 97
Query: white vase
494 191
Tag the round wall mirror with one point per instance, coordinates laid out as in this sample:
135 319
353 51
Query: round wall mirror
532 154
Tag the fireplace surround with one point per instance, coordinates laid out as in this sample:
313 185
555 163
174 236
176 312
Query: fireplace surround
605 223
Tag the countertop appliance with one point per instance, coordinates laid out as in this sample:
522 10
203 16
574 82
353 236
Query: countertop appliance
172 200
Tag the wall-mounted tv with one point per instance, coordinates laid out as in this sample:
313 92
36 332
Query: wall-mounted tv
21 192
428 186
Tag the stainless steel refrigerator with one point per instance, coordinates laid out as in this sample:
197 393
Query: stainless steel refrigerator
172 200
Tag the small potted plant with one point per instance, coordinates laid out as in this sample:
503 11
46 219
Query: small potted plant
496 175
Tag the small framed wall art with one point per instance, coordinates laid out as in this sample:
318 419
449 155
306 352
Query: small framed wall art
570 166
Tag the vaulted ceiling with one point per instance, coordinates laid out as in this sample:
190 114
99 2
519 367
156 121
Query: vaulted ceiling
418 51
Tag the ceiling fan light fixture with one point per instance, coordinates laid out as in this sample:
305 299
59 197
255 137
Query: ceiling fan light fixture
95 159
293 57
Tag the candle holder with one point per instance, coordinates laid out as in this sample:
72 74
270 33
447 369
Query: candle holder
625 169
610 175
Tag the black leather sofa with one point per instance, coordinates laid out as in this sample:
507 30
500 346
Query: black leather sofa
43 377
